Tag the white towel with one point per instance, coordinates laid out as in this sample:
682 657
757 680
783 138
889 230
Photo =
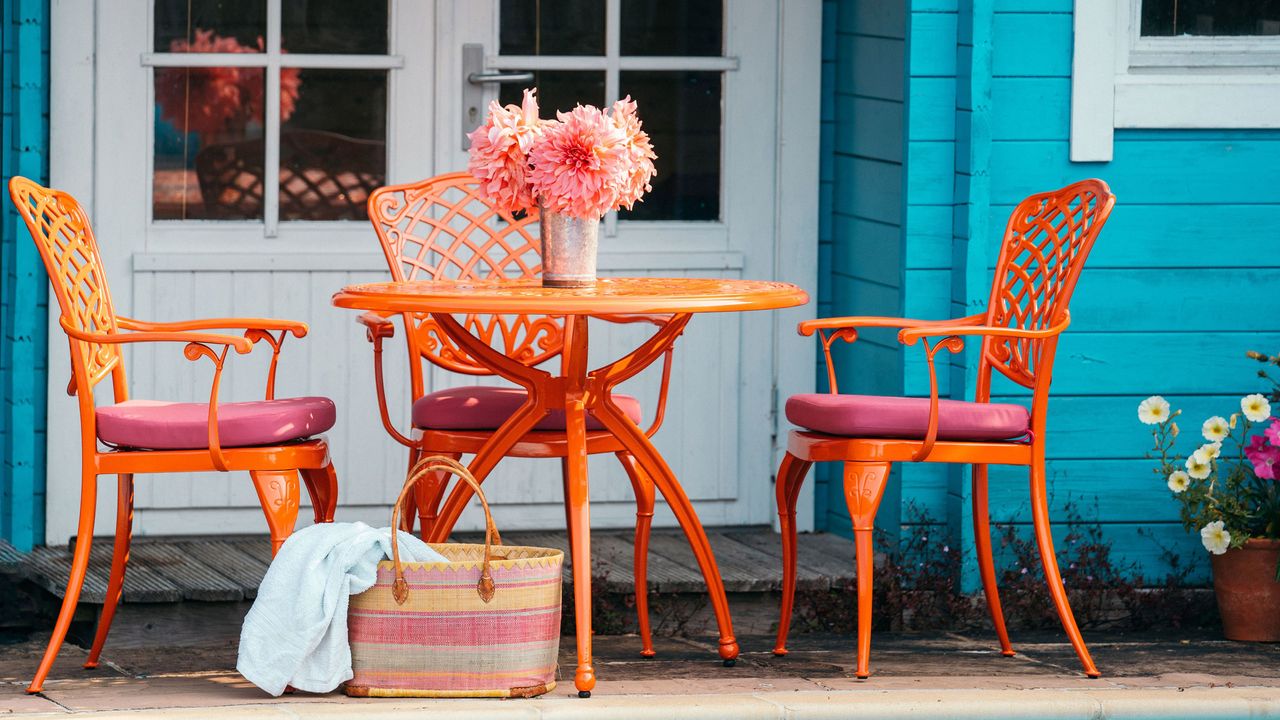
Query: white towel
296 632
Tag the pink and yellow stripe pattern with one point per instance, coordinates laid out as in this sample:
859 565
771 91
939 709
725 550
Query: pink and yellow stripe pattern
444 641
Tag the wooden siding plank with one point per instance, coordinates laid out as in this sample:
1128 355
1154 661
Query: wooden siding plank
1031 45
932 46
868 188
931 170
879 19
870 251
1031 108
870 67
869 127
1209 171
932 102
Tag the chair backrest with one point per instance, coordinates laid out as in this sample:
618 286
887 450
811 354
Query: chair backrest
1044 249
442 229
61 231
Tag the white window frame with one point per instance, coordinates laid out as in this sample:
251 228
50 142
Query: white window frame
1123 80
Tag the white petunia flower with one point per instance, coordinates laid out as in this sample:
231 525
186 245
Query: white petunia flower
1179 481
1215 537
1215 429
1208 452
1197 469
1255 407
1154 410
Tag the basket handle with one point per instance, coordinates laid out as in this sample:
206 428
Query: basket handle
437 463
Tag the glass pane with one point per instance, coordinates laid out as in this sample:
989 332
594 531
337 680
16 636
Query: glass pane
559 90
553 27
334 26
681 113
208 143
333 142
1210 17
210 25
672 27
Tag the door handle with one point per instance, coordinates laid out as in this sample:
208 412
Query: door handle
505 78
475 79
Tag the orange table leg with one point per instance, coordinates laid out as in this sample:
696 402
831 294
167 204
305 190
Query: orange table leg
790 478
651 461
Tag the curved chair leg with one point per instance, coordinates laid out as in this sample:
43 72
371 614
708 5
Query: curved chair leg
278 493
1052 576
119 558
645 498
427 495
322 487
79 566
986 563
863 487
791 474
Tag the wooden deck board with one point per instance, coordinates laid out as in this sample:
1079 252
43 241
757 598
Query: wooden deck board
230 568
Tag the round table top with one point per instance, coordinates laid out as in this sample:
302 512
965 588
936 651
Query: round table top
609 295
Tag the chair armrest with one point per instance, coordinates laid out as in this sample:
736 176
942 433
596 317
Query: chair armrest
241 344
377 325
294 327
808 327
910 335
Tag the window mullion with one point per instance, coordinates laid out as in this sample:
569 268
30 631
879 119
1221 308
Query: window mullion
271 125
613 52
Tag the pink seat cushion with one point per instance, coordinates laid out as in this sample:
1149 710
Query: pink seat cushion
485 408
156 425
874 416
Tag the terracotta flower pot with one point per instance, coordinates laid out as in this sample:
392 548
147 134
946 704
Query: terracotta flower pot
1244 580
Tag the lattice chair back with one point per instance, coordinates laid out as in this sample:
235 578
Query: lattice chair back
62 232
1045 246
441 229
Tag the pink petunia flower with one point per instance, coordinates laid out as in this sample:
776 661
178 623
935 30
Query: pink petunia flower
578 164
1264 456
500 153
1273 432
636 181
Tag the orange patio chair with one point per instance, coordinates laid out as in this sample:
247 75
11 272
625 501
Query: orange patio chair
274 439
441 229
1044 249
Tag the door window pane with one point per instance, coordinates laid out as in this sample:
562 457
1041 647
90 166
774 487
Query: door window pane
552 27
1210 17
334 26
672 27
559 90
210 25
681 113
208 121
333 149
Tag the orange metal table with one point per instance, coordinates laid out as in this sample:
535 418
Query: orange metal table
581 391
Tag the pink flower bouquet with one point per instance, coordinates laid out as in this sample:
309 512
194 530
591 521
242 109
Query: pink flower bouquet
583 164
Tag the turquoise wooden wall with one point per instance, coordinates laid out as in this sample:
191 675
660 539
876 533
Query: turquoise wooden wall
1183 280
24 141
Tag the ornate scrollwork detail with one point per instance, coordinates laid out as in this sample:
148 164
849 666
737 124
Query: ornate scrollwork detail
1046 242
441 229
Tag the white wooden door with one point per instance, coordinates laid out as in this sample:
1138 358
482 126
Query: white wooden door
179 245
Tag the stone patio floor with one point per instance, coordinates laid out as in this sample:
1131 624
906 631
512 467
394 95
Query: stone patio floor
1157 675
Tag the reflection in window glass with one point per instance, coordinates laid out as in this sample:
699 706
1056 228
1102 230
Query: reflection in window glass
1210 17
552 27
333 151
681 113
559 90
210 25
672 27
334 26
202 114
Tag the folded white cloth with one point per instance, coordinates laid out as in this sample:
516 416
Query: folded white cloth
296 632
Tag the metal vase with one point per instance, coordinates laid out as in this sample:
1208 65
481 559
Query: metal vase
569 250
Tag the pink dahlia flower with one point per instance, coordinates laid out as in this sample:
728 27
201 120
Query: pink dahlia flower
578 163
1264 456
500 153
636 181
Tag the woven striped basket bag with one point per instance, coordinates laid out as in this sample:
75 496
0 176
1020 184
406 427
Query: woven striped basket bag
484 624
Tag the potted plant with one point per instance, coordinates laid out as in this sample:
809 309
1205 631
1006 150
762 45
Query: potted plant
1228 491
575 168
